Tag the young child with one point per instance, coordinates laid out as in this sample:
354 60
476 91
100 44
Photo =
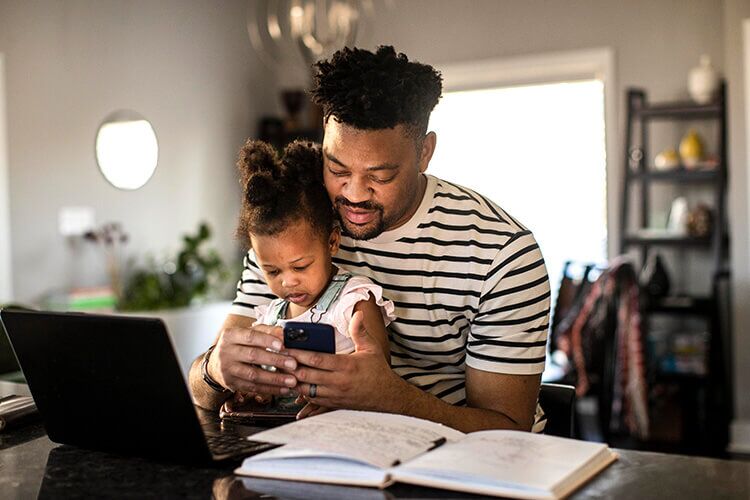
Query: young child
290 223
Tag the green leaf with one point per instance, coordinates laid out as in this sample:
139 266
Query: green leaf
199 273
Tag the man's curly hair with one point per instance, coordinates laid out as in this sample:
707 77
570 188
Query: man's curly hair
371 91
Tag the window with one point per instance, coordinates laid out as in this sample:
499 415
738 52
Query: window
539 152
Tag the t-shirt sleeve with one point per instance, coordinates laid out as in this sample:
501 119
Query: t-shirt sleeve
360 288
252 290
509 331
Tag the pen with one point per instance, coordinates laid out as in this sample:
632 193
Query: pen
437 443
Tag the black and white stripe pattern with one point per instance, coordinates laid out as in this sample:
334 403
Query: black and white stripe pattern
469 285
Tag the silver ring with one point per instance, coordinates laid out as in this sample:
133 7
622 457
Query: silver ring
313 390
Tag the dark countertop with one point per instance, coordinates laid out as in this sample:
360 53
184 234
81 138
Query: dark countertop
31 465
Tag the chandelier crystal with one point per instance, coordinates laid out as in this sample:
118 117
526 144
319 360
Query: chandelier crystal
304 31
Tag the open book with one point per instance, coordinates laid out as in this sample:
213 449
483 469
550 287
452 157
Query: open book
377 449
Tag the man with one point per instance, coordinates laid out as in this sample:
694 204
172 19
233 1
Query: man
469 282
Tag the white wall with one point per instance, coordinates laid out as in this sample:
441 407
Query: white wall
186 65
6 288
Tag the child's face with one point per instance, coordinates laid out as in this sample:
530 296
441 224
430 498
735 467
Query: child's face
296 262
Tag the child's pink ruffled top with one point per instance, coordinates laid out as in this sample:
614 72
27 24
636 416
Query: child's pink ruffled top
340 312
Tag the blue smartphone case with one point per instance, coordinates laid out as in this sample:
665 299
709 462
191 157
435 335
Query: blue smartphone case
317 337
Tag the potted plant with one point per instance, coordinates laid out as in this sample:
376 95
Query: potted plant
185 292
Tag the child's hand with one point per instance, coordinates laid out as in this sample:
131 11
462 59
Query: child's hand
240 398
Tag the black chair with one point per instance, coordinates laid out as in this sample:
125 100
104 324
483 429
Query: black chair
558 402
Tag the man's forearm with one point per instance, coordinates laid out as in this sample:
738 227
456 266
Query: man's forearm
203 395
410 400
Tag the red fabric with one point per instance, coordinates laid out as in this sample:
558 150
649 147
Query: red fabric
629 402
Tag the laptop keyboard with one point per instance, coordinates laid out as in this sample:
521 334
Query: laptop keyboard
231 444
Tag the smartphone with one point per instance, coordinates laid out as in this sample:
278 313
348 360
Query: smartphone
317 337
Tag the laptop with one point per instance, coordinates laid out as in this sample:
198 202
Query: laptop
113 383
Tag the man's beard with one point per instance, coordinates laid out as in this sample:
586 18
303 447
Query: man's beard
363 232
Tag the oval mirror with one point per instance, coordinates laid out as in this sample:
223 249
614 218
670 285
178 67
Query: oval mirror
126 149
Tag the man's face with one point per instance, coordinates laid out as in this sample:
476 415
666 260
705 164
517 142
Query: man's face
373 176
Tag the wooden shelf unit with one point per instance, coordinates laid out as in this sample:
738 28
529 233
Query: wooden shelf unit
710 394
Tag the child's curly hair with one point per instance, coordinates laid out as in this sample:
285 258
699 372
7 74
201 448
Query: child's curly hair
377 90
279 192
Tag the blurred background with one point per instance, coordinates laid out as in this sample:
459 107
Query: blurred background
120 123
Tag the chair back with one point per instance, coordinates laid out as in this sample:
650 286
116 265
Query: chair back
558 403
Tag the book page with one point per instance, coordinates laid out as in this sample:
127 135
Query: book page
379 439
507 460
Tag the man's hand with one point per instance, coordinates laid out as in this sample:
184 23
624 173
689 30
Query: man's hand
239 352
364 381
358 381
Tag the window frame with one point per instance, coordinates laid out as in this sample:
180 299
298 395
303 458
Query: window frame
597 63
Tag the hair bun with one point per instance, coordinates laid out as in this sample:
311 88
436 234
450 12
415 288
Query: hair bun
260 190
260 171
258 157
304 161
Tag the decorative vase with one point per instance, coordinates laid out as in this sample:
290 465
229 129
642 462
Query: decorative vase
700 221
667 160
654 277
678 216
703 81
294 101
691 149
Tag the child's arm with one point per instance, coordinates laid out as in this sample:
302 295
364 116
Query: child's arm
373 320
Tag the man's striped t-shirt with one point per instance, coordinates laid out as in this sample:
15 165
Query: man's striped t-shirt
469 284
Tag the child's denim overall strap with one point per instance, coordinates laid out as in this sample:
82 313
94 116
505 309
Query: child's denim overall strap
277 309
